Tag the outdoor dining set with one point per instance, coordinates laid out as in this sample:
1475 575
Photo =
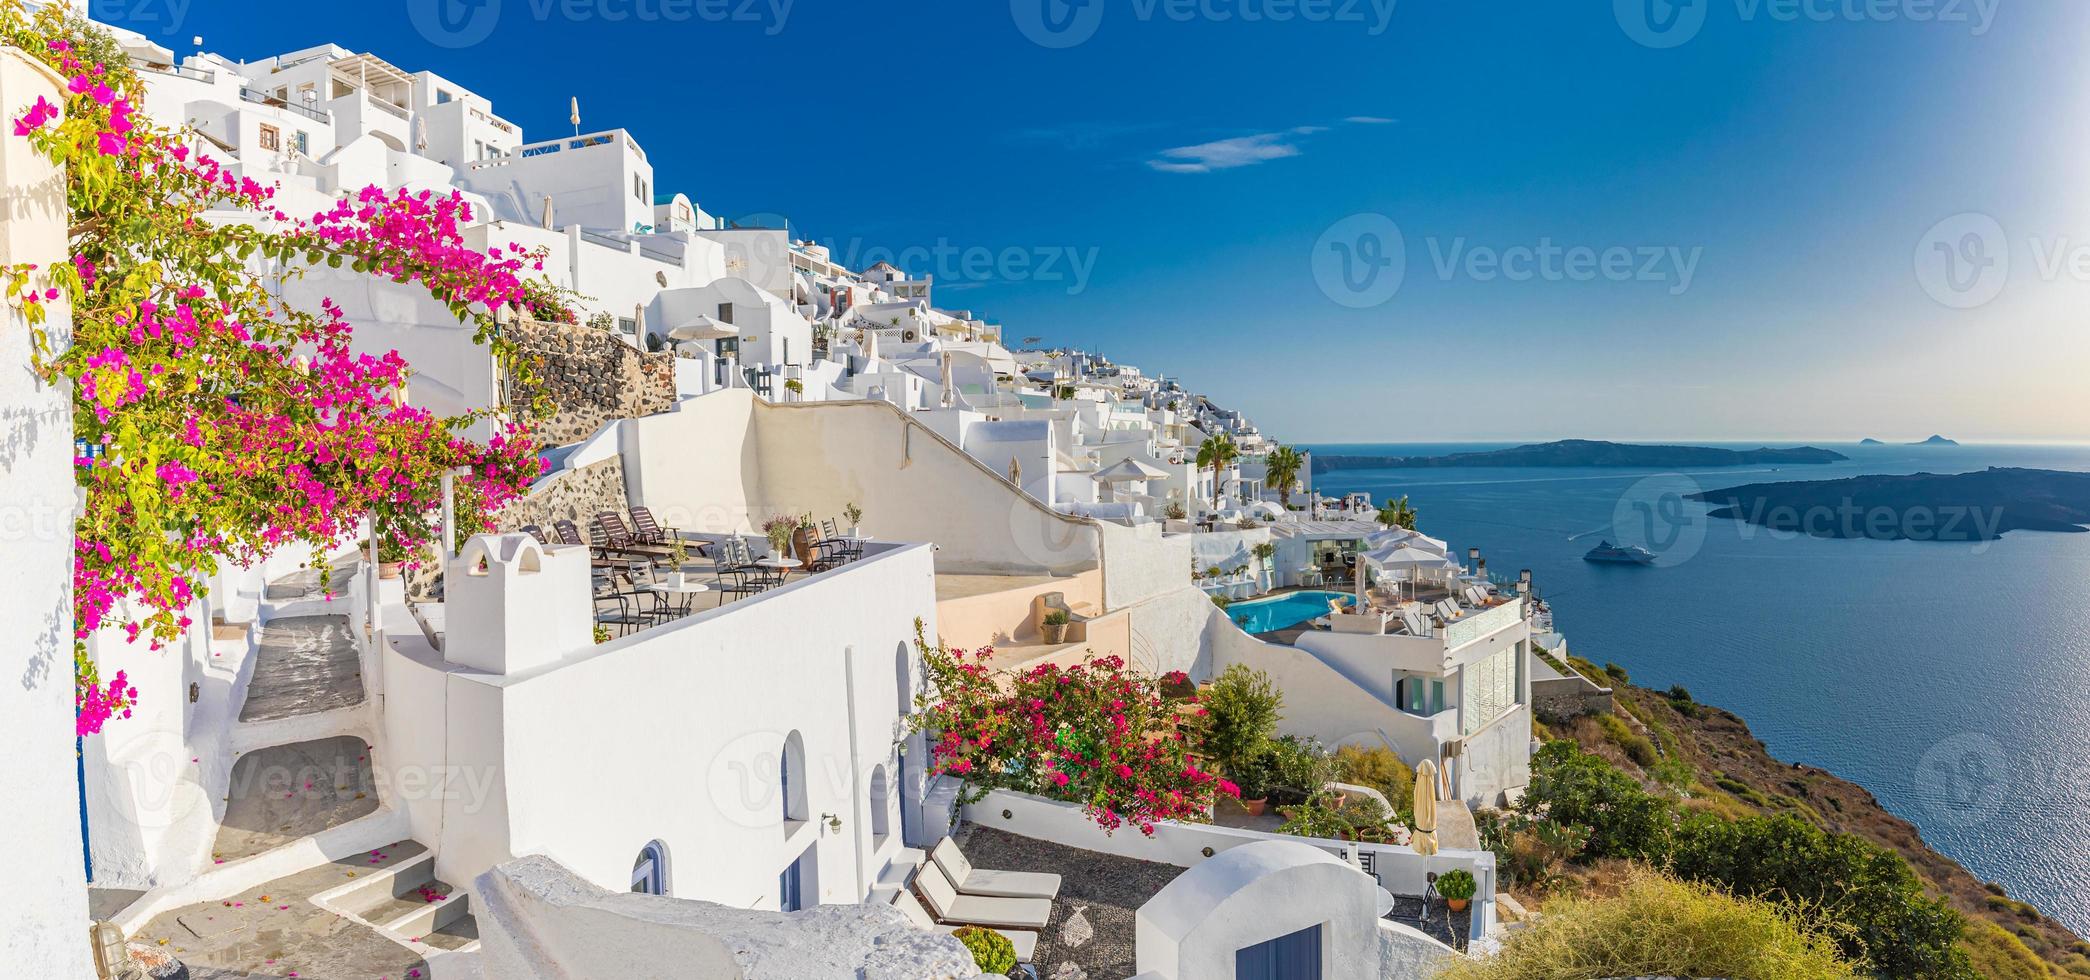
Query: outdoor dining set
644 575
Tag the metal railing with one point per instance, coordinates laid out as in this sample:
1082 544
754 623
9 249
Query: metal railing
178 71
263 98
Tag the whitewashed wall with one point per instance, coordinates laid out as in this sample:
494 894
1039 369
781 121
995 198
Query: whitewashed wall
673 734
45 901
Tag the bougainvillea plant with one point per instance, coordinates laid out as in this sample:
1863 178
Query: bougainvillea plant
215 420
1092 734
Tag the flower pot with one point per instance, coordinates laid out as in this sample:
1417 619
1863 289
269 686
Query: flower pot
1255 808
1457 904
388 569
673 580
802 545
1054 633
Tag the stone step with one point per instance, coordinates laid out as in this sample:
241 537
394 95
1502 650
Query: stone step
284 792
279 928
304 665
428 917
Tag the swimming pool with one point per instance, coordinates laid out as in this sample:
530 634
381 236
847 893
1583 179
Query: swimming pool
1290 609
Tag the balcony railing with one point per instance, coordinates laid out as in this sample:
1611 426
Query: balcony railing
196 74
263 98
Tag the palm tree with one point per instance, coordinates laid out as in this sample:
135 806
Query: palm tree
1217 452
1397 513
1282 468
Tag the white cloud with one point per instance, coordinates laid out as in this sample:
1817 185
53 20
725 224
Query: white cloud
1242 151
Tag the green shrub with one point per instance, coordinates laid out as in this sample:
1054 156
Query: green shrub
994 953
1868 893
1299 767
1575 787
1457 884
1381 769
1661 927
1241 714
1997 955
1635 745
1057 617
1617 673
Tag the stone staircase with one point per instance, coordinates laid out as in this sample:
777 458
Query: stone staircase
295 886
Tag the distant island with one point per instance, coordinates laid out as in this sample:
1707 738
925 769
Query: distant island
1977 506
1932 441
1587 452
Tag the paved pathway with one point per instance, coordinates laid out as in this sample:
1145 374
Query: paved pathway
284 792
306 665
275 930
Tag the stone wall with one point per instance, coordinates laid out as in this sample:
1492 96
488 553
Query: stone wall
1554 701
590 377
575 496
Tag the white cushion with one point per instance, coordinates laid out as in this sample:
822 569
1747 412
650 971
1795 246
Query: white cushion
979 910
997 884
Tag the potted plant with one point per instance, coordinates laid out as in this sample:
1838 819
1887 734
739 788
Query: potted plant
678 555
391 553
804 534
855 515
1253 777
778 531
1054 626
1315 816
1457 887
991 951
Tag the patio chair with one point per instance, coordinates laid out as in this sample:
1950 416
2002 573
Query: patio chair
624 618
978 910
644 529
733 580
640 574
567 533
537 532
1025 941
611 535
993 884
849 549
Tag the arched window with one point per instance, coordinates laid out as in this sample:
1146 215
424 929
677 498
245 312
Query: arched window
903 678
649 874
881 806
792 778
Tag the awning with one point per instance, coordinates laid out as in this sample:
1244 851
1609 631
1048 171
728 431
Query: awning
703 328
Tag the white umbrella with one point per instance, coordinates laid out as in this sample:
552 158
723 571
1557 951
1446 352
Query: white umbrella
702 327
1129 470
1425 839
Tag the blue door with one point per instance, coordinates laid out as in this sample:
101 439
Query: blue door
791 887
1293 957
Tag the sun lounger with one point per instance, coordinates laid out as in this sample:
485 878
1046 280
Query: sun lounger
978 910
997 884
1025 941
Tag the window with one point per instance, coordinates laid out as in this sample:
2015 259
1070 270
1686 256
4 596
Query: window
1293 957
649 874
881 807
1491 686
725 313
271 137
441 97
627 325
302 142
792 780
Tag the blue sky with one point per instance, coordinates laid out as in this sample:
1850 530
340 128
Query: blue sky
1744 228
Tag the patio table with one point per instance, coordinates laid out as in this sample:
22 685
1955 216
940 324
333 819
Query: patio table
682 594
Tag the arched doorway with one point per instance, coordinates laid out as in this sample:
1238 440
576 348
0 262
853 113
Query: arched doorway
649 874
